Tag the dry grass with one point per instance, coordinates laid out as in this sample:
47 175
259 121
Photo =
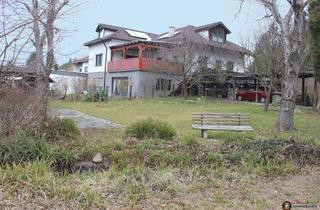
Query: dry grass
189 174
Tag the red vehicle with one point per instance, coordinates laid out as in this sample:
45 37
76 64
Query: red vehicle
250 95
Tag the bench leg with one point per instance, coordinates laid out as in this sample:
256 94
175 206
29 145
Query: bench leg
204 134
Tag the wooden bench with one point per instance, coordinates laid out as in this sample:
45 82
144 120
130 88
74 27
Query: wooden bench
220 121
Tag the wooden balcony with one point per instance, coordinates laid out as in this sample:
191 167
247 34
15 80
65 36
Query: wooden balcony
142 64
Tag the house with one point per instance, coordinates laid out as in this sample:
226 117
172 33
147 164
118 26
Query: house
123 59
80 64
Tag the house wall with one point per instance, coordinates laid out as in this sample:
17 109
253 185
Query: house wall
225 56
149 79
204 34
142 83
62 82
213 55
81 67
100 49
95 81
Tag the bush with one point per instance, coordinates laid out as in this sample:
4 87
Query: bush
150 128
56 129
99 96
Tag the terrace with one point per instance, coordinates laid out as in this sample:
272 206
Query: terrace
139 56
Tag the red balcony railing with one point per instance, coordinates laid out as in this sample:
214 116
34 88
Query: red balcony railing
142 64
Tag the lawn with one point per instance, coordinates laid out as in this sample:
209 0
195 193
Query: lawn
178 113
242 170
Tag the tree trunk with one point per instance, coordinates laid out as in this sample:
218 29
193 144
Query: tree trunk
316 96
268 93
184 89
286 116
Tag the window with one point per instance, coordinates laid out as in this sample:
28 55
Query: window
86 69
217 36
120 86
230 65
99 60
218 64
80 70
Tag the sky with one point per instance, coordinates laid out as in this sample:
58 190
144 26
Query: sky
153 16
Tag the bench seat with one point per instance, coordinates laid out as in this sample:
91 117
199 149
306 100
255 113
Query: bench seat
220 121
224 127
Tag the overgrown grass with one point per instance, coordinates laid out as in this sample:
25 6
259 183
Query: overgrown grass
25 147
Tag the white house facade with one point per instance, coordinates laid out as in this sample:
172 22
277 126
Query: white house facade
116 58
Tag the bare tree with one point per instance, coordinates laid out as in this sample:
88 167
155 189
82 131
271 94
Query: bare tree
43 29
78 87
32 24
191 62
14 35
292 27
268 59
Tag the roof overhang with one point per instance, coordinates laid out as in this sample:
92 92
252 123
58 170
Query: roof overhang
207 27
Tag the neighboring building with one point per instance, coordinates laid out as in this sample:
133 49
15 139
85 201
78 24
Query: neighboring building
80 65
100 53
66 82
118 54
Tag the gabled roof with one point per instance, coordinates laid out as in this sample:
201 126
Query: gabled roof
190 34
118 28
120 33
187 33
81 60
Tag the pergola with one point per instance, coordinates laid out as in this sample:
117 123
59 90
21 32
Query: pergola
136 49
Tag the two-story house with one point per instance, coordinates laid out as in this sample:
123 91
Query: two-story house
124 59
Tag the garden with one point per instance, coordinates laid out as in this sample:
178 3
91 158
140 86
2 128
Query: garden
157 161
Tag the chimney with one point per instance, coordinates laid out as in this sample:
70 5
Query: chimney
171 31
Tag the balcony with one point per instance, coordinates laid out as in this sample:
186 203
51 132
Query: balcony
142 64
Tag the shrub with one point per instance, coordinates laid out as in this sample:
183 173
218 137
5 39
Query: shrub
19 109
98 96
150 128
55 129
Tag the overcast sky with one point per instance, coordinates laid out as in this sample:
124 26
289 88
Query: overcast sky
154 16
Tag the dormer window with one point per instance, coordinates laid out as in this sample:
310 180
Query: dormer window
217 35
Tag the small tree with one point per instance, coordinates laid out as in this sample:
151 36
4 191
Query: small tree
269 59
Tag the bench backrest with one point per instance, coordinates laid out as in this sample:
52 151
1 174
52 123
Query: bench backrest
232 119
